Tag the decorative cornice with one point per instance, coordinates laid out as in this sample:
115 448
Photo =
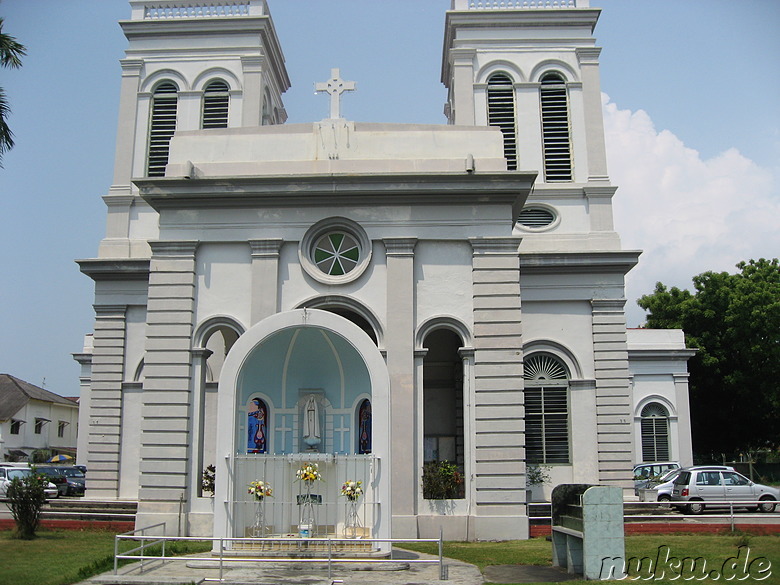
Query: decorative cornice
400 246
588 55
166 248
608 305
507 187
266 248
507 245
115 268
578 262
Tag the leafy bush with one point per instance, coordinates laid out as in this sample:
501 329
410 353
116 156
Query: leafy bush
442 481
26 498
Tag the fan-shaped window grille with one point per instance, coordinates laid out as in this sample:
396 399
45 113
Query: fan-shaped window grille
162 127
535 217
655 433
555 128
215 105
546 410
543 366
501 113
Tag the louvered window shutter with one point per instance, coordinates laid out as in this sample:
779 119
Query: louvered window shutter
555 129
163 125
501 113
655 433
216 100
546 410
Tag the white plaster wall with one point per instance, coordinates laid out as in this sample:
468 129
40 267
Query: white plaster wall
443 275
223 281
566 324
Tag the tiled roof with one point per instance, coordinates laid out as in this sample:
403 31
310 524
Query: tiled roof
15 393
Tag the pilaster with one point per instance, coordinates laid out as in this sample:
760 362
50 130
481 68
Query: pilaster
682 403
462 87
613 393
594 119
399 343
265 278
499 431
167 398
105 403
254 89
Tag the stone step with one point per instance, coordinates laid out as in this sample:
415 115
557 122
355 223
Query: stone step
89 510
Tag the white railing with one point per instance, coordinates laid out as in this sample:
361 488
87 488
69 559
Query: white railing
179 9
221 547
518 4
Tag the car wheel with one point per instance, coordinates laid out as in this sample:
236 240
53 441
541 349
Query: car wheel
767 505
664 500
695 508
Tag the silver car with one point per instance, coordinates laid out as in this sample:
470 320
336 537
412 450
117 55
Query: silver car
7 474
697 486
660 490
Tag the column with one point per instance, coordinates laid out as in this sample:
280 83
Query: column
613 393
399 343
594 118
265 278
105 403
166 427
499 439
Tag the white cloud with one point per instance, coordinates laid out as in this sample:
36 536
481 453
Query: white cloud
689 215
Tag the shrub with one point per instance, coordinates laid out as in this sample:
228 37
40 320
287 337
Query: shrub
442 481
26 498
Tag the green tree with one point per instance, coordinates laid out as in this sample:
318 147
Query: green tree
11 53
734 322
26 498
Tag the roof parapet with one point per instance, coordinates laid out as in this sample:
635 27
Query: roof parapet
518 4
179 9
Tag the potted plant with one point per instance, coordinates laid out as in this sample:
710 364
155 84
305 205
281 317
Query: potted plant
536 477
441 480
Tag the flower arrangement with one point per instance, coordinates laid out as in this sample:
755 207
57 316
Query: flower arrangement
352 490
260 489
308 472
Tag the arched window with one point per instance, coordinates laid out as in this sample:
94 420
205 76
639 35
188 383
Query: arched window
443 409
546 409
162 127
655 433
216 99
257 426
501 113
555 128
364 427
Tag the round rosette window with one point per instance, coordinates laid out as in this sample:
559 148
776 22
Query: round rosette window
335 250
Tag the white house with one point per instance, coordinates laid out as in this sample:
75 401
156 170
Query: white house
369 297
33 419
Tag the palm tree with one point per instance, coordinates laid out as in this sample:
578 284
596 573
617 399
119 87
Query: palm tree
11 53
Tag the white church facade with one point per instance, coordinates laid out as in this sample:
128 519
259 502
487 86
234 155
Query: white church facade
367 297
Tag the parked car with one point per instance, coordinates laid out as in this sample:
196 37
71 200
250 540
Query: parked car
645 472
660 490
69 480
8 474
693 487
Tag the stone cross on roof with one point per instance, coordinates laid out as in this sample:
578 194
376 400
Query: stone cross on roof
335 86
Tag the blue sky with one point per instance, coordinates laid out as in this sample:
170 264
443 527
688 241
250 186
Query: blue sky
691 118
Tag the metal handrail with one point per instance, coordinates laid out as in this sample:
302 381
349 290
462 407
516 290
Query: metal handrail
222 559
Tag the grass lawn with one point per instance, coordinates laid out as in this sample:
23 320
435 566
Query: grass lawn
65 557
713 548
61 557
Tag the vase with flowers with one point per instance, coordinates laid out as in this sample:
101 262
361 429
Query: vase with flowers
260 490
307 474
352 490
